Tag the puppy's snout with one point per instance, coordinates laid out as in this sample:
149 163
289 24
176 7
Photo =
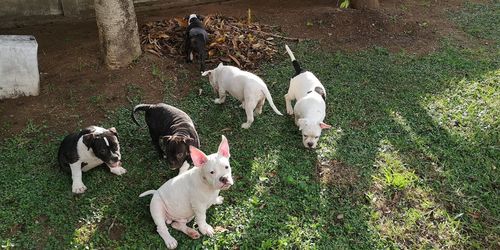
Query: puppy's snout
115 158
223 179
310 144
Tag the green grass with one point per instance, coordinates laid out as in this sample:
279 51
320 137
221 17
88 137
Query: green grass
420 134
480 19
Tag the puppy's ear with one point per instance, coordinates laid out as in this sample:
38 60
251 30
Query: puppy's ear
200 17
323 125
220 65
199 158
302 123
224 148
113 130
208 72
88 139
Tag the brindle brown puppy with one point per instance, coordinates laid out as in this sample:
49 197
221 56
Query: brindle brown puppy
172 131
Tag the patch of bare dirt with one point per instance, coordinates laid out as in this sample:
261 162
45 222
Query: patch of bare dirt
337 173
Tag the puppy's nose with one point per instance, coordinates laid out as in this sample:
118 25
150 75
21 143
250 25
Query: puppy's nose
310 144
223 179
114 158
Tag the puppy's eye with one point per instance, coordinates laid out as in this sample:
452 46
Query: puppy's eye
227 167
179 155
102 151
316 137
212 172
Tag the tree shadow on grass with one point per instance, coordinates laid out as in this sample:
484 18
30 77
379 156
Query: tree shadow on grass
377 102
385 103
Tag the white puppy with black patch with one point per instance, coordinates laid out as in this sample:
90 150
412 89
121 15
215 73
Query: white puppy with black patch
248 88
310 107
191 193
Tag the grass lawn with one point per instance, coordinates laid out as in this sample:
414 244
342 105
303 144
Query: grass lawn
411 161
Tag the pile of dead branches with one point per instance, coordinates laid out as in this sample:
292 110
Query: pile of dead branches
231 40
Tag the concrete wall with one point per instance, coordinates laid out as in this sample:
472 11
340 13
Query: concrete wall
30 7
19 8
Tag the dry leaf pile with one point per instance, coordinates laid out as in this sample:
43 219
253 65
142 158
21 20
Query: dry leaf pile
230 40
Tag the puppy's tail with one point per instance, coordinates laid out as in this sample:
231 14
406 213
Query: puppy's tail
295 64
270 100
147 193
140 107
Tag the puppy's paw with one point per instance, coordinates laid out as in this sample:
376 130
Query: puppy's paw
219 200
193 234
246 125
118 170
207 230
78 188
218 101
289 111
170 242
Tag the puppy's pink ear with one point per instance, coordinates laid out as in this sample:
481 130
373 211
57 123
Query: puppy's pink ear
224 148
323 125
199 158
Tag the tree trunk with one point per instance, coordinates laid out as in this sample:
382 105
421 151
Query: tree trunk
365 4
118 33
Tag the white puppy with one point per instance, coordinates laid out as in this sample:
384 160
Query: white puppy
310 107
248 88
191 193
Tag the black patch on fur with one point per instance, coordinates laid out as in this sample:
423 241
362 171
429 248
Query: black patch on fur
84 164
321 92
68 153
298 69
171 127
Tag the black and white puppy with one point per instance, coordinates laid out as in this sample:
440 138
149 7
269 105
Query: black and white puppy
91 147
196 39
172 132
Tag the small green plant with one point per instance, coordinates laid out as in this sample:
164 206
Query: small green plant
398 180
345 4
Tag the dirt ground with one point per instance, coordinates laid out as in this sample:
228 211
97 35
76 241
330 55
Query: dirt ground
77 91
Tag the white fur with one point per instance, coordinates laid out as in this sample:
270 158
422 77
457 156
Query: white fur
248 88
87 155
188 196
191 16
310 107
309 114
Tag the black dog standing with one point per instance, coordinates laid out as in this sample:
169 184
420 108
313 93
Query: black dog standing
196 39
172 131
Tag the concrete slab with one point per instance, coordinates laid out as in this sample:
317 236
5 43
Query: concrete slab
19 74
